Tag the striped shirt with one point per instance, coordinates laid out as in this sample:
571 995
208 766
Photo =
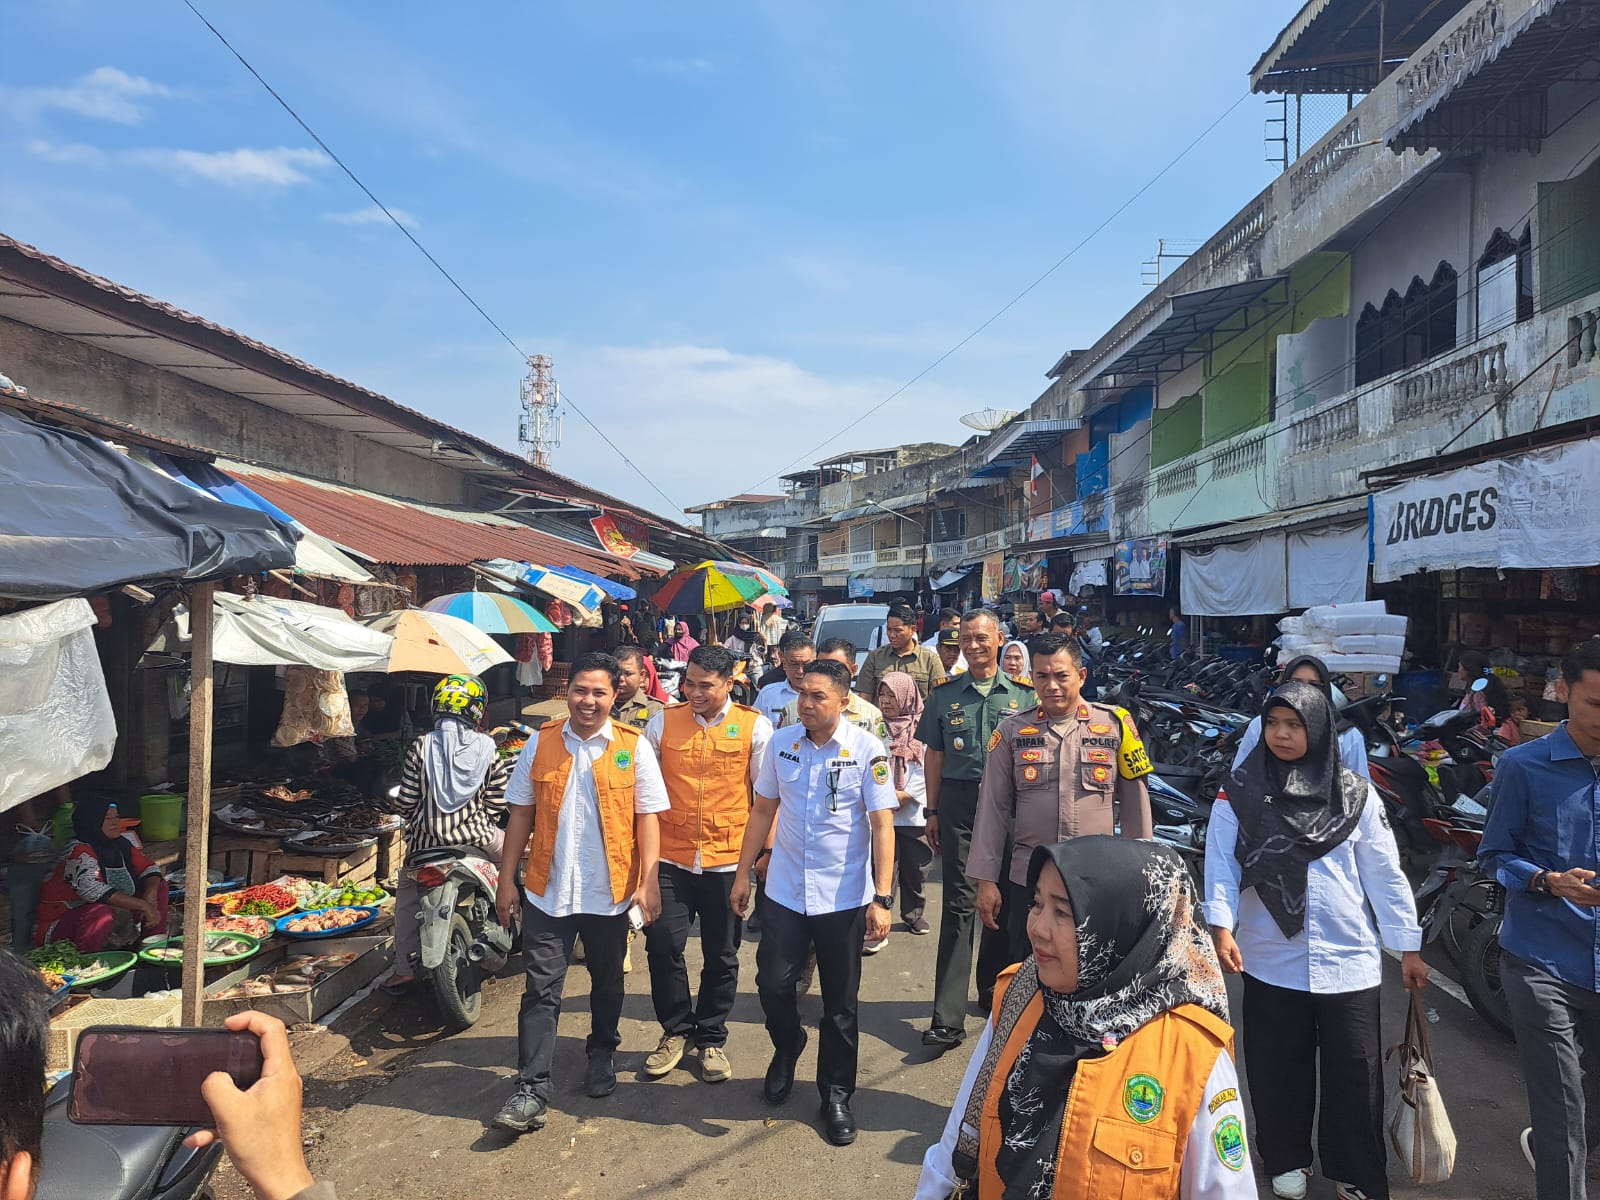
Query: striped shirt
473 824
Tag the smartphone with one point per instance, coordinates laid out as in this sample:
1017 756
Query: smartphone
125 1075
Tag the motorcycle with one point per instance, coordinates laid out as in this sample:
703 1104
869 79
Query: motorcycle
461 936
119 1162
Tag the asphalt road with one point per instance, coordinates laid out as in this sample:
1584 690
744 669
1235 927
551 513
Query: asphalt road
398 1109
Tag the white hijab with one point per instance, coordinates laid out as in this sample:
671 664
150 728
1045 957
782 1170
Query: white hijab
456 758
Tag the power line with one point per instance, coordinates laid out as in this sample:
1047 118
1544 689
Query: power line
412 238
1015 300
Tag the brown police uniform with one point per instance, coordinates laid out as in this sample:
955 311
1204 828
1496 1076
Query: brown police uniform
1045 782
636 710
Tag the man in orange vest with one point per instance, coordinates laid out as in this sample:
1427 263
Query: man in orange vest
710 750
583 802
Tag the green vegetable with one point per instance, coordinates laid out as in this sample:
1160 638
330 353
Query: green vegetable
256 908
61 957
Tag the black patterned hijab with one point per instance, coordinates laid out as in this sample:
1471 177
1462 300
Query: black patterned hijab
1292 813
1141 952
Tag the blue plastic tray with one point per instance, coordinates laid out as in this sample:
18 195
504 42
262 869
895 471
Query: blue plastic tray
369 909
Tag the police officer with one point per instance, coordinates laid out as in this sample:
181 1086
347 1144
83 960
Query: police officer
634 706
960 717
1061 770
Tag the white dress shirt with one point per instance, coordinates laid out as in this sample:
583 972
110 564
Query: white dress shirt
760 736
580 876
915 813
770 700
1356 894
1352 747
822 851
1204 1174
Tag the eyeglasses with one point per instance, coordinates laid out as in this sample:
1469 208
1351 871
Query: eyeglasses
833 789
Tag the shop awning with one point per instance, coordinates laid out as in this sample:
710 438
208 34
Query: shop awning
1331 46
262 631
385 529
1021 440
1270 564
617 591
1292 518
77 517
950 578
1183 320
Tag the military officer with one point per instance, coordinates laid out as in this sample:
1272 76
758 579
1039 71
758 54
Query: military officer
956 726
634 706
1060 770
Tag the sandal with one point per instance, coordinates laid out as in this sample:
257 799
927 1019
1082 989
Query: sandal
398 986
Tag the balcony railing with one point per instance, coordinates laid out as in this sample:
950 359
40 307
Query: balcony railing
1331 426
1237 459
1480 371
1583 336
1175 480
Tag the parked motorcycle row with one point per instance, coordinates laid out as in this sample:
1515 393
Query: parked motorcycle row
1433 779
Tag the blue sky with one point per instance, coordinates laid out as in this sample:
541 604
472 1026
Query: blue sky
734 226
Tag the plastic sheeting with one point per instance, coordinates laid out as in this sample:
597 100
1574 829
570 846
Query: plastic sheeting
1328 566
78 517
55 716
1236 580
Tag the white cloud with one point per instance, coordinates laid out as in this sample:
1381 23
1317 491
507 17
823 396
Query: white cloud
74 153
372 215
242 168
104 94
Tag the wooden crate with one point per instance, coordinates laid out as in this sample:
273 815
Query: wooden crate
245 856
150 1012
358 867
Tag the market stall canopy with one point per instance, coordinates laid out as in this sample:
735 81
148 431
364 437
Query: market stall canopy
77 517
436 644
705 589
771 581
313 554
492 612
617 591
561 583
262 631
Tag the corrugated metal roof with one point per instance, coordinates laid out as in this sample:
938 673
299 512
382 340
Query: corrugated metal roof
405 533
1274 522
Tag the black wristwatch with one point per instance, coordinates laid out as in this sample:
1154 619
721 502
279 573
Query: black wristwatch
1541 883
884 902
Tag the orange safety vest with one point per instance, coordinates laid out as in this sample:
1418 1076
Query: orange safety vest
707 771
1128 1113
613 784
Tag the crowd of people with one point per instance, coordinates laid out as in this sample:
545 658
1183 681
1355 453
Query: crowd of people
1105 1057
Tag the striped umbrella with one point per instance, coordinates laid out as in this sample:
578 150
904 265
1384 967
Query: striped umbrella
706 588
492 612
769 581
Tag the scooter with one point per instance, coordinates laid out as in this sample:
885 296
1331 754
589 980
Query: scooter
461 936
119 1162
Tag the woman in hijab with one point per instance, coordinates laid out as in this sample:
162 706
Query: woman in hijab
1106 1069
1308 668
452 792
1303 889
103 889
901 705
1014 662
745 638
678 646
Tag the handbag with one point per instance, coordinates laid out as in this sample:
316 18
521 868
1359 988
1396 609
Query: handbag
1419 1127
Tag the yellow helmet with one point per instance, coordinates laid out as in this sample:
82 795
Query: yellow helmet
462 696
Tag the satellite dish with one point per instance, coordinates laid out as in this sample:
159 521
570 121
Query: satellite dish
989 419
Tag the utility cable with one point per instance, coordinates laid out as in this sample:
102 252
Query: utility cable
412 238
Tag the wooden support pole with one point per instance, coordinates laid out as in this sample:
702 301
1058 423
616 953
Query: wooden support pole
196 847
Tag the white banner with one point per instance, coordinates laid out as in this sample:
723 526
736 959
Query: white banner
1547 514
1438 523
1328 566
1236 579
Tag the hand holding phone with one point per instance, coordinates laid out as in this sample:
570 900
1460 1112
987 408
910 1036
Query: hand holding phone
125 1075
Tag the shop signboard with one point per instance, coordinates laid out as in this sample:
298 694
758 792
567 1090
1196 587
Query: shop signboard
1547 507
993 574
1024 575
1039 528
614 534
1076 518
1141 567
1438 523
860 586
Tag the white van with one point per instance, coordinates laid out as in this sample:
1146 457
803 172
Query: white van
861 624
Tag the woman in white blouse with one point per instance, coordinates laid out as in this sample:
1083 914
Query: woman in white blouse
1308 668
1303 888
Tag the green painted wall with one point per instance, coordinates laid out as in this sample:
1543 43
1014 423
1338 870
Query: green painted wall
1236 401
1176 431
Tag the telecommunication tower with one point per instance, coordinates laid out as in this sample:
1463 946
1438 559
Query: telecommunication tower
539 430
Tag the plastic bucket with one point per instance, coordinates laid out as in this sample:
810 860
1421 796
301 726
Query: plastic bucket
160 814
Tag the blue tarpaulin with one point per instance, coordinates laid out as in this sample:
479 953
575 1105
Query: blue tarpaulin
617 591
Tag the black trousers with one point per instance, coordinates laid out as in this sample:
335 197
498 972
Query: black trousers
958 806
1015 904
686 896
787 937
912 854
546 951
1290 1037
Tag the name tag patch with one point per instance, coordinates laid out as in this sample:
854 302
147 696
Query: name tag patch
1020 742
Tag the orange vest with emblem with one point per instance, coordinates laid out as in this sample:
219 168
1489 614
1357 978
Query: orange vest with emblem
613 785
707 771
1128 1113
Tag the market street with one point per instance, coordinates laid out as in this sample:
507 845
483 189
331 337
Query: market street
419 1122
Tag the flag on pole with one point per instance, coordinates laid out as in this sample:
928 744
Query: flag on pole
1035 473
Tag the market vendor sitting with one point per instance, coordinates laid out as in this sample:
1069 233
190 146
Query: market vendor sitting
103 890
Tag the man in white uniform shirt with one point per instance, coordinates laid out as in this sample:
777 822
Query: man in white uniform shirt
828 788
583 803
795 653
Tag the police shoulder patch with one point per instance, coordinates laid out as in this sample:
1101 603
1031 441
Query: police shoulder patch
1228 1139
994 740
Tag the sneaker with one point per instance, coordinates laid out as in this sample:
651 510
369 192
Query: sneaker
872 947
1527 1146
524 1111
919 927
1292 1185
714 1065
1349 1191
668 1054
